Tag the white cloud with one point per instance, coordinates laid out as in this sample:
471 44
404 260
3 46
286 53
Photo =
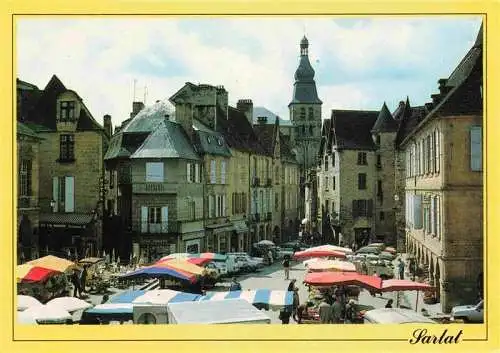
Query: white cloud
252 58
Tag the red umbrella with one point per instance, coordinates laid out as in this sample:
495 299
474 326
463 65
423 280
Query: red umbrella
394 285
343 278
319 253
199 261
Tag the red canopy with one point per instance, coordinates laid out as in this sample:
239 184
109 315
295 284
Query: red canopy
200 261
319 253
394 285
343 278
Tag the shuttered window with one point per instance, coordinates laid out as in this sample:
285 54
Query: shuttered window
417 211
476 149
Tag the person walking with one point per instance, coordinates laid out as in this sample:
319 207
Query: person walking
389 304
75 281
83 279
296 303
285 316
350 312
401 268
286 268
291 286
325 312
235 285
337 309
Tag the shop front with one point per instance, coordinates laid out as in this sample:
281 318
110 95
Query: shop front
151 248
193 243
239 240
219 237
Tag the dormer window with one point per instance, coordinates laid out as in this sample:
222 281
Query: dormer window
67 111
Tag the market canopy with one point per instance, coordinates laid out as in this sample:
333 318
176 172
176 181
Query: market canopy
182 265
343 278
53 263
206 255
331 265
318 253
395 285
25 301
261 298
32 273
161 271
328 247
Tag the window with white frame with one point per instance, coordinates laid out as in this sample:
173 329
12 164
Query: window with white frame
154 172
154 219
223 172
476 149
437 150
213 171
191 172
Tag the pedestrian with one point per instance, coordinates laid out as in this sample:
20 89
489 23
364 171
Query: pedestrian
270 255
325 311
296 303
291 286
401 268
353 246
337 309
286 268
285 316
75 281
389 304
364 267
235 285
83 278
350 312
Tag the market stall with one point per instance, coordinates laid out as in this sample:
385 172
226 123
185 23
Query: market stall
331 265
266 299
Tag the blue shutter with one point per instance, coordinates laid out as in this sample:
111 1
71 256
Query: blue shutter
69 191
476 149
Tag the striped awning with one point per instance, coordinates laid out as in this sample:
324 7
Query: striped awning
261 298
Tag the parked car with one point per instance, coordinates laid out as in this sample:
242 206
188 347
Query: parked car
219 267
469 313
246 263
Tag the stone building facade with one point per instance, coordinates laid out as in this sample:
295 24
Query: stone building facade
71 170
444 182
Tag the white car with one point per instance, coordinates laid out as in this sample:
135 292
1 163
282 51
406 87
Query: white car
469 313
247 263
220 267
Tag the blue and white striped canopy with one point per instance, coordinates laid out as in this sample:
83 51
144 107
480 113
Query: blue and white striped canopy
261 298
123 303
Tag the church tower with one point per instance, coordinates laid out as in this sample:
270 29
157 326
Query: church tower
305 111
305 115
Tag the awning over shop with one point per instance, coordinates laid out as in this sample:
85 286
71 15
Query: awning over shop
240 227
76 219
219 228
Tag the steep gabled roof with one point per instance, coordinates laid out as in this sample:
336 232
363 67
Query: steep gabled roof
409 117
325 131
212 143
353 128
237 131
385 122
168 140
462 95
44 112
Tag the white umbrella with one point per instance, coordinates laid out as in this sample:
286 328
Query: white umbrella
69 304
331 248
266 242
23 318
44 313
25 301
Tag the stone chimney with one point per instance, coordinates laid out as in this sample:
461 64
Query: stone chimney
136 108
436 98
262 120
443 89
246 106
108 125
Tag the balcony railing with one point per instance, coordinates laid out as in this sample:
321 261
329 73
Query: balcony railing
159 228
155 188
27 202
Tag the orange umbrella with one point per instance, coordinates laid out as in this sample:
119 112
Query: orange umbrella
182 265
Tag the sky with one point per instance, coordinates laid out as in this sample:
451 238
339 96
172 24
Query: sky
360 63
